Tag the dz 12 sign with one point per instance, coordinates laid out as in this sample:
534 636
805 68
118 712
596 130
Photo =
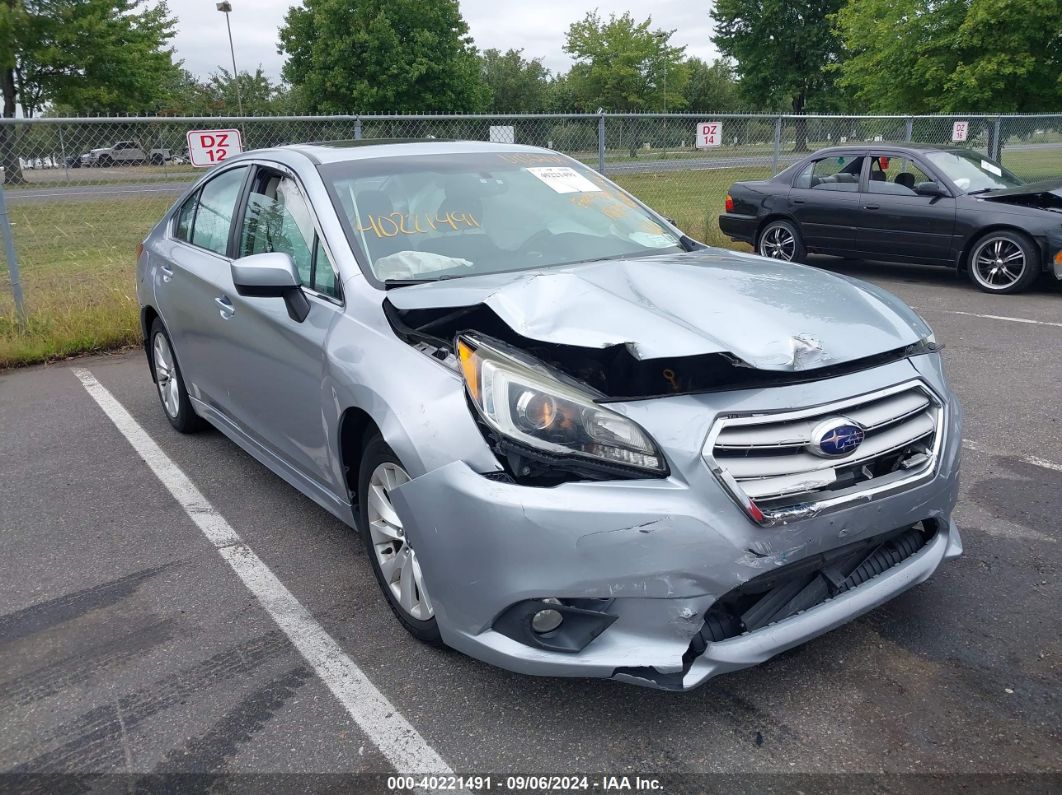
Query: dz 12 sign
959 131
210 147
709 133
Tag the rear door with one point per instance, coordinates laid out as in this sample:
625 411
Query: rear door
824 200
897 223
190 279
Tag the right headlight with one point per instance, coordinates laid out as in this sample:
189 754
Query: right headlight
549 418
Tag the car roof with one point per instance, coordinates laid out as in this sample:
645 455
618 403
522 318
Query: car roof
346 151
913 148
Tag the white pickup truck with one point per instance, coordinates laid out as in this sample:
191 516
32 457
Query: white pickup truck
124 153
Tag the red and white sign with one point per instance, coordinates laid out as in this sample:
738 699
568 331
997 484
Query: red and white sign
209 147
959 131
709 133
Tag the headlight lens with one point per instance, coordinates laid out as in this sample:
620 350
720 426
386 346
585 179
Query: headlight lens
527 403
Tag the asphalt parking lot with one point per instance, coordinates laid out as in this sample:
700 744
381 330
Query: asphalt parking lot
131 643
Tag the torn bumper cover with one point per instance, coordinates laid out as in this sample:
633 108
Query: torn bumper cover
649 559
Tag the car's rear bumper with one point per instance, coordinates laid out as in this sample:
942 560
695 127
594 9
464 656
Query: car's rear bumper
739 227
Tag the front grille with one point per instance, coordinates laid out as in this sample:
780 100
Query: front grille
767 460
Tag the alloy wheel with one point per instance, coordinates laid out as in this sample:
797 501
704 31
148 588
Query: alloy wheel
778 242
998 263
166 375
396 558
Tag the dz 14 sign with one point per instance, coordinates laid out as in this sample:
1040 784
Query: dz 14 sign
709 133
210 147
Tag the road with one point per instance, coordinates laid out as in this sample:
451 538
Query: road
134 642
91 187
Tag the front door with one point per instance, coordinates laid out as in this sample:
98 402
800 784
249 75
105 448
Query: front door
276 372
895 222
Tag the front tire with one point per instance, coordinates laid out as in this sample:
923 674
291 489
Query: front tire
393 560
1003 262
170 382
781 240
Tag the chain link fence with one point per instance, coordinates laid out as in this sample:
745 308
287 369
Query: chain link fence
81 193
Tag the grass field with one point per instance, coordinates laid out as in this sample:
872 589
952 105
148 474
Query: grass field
77 257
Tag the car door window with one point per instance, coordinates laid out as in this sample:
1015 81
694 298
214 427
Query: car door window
839 173
278 218
216 206
185 218
895 175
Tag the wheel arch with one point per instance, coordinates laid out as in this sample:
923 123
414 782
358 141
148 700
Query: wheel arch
148 315
962 264
356 427
775 216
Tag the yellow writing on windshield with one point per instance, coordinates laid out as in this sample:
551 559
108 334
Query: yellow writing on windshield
397 224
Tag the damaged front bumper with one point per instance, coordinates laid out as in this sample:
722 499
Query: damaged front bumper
653 556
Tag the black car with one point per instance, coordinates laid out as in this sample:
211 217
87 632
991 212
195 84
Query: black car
905 203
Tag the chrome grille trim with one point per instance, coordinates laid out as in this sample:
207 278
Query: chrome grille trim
794 484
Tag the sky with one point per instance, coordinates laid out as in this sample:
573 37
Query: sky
537 27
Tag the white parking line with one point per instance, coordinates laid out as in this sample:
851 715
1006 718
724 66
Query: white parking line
379 720
1025 459
1002 317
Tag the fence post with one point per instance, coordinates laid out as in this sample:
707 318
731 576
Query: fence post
62 153
12 261
777 156
357 128
995 147
601 141
909 132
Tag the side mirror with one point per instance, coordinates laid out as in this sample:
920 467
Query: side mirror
271 275
929 189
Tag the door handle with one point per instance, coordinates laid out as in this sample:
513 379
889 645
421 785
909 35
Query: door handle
870 206
167 273
227 309
798 201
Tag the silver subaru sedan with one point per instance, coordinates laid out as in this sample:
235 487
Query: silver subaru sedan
575 441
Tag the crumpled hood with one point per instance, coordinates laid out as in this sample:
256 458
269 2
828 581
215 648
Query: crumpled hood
774 316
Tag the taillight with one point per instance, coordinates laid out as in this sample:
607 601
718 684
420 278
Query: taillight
729 203
139 250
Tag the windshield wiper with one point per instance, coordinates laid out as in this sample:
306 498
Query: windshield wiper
389 283
979 190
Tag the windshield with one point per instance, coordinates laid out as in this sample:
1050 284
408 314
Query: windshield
442 216
972 172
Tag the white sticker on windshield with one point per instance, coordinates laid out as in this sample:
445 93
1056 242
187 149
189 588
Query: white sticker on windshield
991 169
564 180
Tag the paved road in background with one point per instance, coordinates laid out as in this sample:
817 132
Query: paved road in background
128 644
172 185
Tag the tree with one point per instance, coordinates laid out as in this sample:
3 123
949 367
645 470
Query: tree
783 51
934 56
89 56
712 86
514 85
381 55
622 65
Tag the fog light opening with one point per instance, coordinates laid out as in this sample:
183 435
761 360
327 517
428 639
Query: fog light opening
544 621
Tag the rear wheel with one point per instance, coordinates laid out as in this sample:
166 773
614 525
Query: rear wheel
157 160
170 383
393 560
1003 262
781 240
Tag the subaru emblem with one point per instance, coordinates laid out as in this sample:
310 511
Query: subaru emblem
836 437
